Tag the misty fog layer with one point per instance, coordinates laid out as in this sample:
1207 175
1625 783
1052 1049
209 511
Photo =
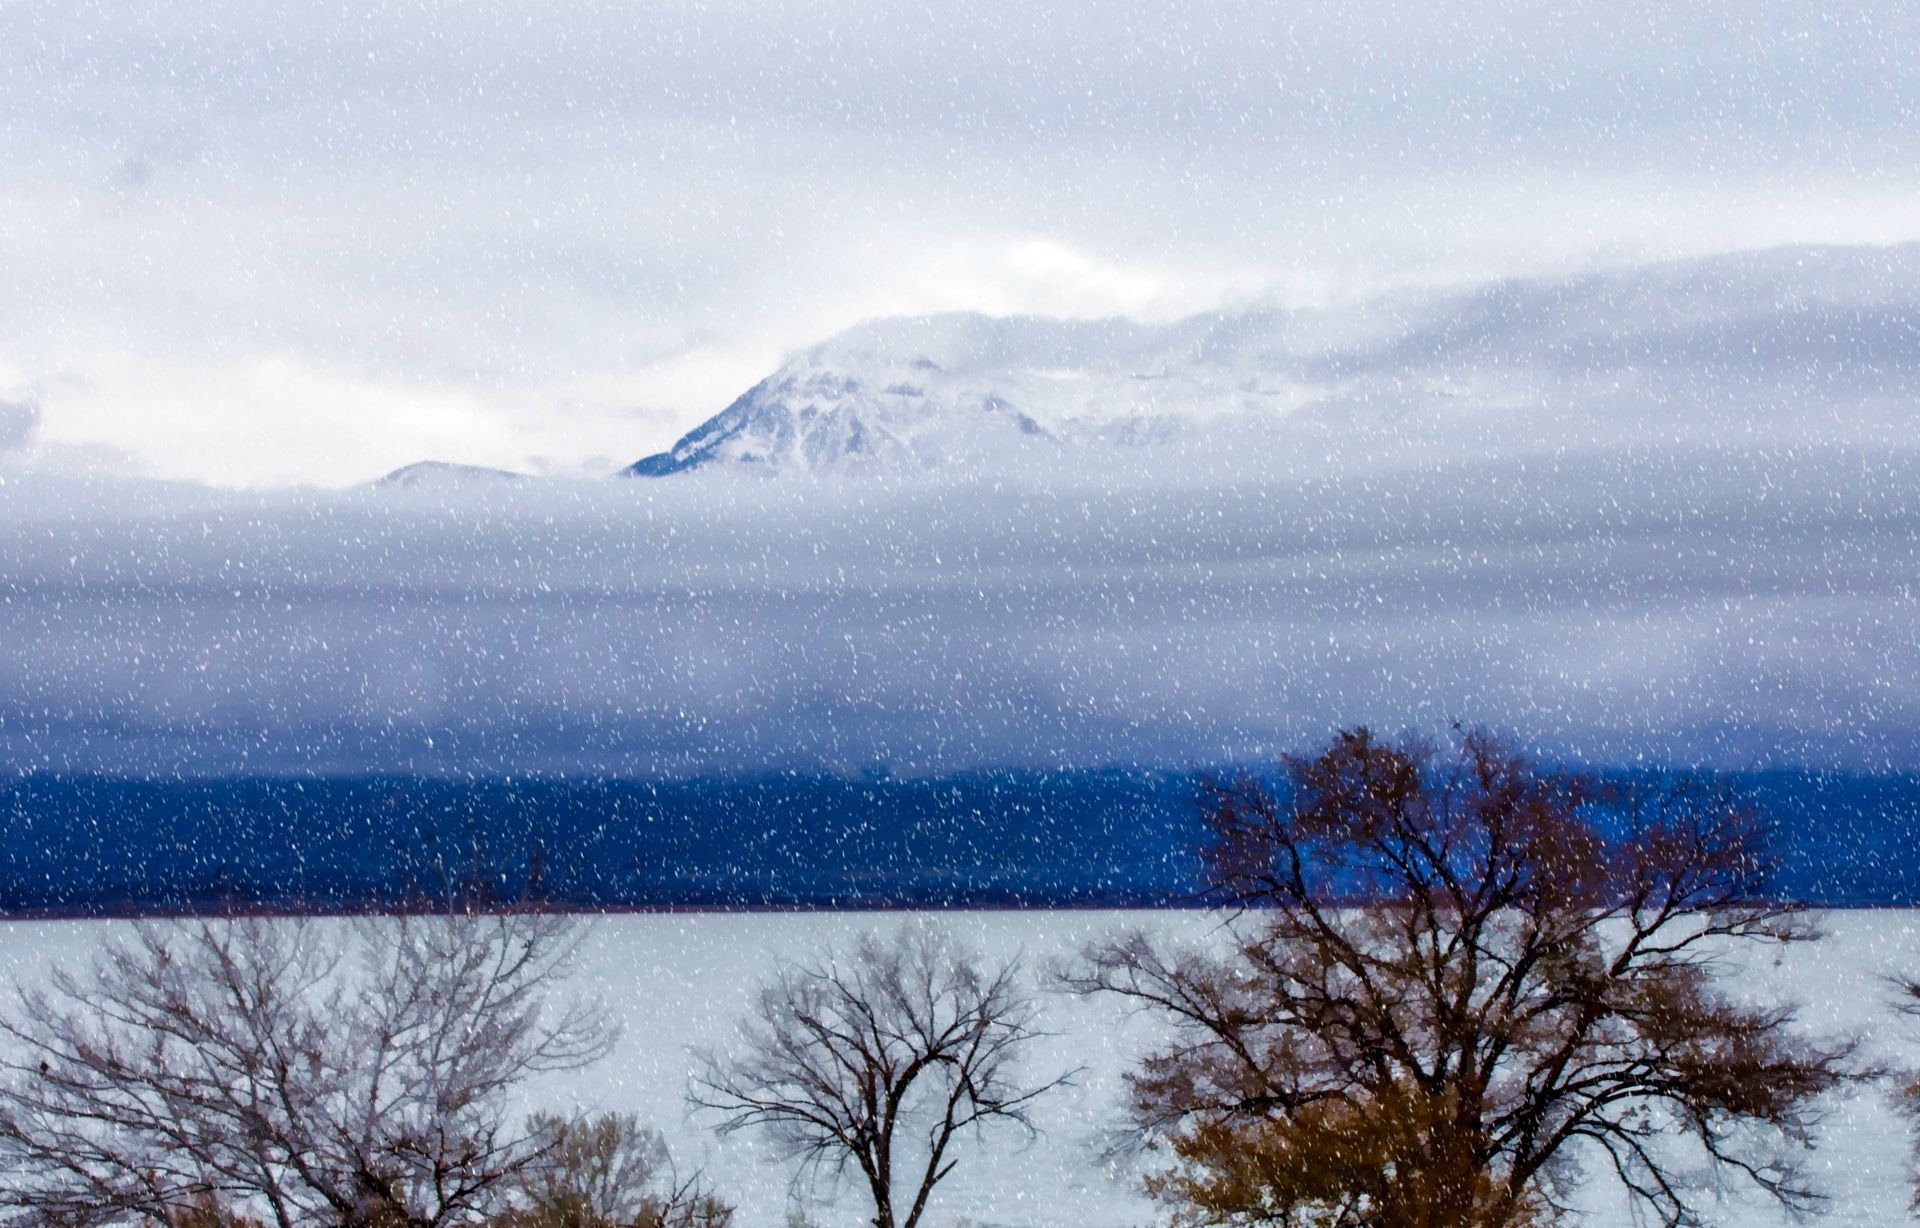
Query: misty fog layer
1746 606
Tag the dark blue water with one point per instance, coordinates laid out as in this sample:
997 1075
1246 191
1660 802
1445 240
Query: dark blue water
108 845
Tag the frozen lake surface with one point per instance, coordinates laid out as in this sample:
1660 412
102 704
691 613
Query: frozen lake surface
680 981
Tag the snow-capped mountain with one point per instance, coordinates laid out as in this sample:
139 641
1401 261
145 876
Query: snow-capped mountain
1749 343
958 389
442 475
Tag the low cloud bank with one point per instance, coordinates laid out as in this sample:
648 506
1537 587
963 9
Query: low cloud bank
1744 606
18 421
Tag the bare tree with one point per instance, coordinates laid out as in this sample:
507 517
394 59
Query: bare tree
841 1059
1452 974
1906 1092
610 1171
290 1071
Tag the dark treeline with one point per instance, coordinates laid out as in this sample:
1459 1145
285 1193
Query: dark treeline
88 844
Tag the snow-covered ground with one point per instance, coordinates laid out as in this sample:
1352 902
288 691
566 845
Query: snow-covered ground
679 981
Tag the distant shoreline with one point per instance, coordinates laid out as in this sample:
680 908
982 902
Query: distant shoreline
79 847
709 910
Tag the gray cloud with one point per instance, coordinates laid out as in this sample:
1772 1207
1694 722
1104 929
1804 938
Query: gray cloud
1742 605
18 421
1754 71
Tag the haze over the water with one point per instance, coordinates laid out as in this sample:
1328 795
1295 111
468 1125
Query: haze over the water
262 245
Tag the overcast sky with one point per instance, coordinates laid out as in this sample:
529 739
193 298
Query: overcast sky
264 244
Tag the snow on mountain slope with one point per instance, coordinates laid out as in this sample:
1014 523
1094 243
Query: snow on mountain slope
444 475
1753 345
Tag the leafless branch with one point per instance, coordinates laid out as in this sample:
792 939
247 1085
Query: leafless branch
292 1071
843 1055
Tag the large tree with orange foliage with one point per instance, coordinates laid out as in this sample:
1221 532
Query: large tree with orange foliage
1453 973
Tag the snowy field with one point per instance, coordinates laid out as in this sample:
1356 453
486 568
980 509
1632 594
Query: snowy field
679 981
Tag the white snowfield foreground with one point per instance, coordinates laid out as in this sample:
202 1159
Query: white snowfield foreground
679 981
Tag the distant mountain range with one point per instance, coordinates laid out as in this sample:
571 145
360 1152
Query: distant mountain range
1735 343
1758 346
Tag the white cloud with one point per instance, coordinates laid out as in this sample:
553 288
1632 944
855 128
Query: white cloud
1030 276
471 216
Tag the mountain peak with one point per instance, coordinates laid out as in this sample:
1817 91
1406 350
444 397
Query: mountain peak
437 475
1739 342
